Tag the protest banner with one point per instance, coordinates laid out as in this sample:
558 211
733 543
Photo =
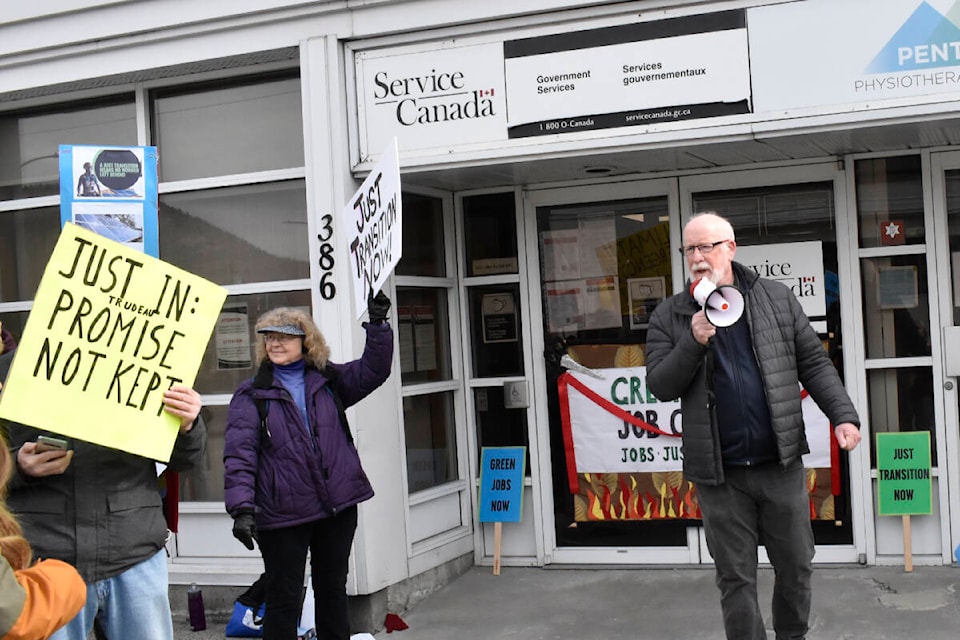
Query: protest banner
615 431
110 330
373 219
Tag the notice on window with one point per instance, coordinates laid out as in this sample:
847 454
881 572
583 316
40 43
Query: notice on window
561 254
405 337
897 287
425 337
598 246
563 306
601 303
233 337
499 312
644 294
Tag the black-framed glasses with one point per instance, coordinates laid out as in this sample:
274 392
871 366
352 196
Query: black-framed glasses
703 248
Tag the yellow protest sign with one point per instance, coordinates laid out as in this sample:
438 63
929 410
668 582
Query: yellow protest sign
110 330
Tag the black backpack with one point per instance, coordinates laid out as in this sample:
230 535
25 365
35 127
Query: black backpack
263 407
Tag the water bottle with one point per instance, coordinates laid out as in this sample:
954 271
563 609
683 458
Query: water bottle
198 618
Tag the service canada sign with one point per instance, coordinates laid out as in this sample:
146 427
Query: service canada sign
443 97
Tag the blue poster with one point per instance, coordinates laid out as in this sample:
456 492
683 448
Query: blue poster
501 483
112 191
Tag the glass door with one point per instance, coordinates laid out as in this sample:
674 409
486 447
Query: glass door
945 173
614 493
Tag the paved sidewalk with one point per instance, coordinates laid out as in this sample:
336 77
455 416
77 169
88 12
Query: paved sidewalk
849 603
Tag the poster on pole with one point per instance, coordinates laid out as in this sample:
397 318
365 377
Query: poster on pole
110 330
373 219
111 191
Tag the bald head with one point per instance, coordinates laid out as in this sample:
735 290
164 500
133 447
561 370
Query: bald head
709 247
710 221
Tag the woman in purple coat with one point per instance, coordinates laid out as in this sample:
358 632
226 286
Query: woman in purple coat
292 477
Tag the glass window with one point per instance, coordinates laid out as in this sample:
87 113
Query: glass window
423 329
496 332
431 440
901 400
498 426
423 333
896 313
605 267
237 235
225 130
490 234
27 239
229 357
204 483
30 167
952 180
890 201
14 322
788 213
423 250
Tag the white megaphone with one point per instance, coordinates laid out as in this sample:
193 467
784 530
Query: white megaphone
722 305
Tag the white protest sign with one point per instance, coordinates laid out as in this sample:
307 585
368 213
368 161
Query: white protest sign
373 220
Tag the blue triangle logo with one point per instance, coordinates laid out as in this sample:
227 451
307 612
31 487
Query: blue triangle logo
926 40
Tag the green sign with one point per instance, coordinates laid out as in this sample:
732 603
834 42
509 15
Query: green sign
903 474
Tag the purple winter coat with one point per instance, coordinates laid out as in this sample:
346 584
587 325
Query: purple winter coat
292 477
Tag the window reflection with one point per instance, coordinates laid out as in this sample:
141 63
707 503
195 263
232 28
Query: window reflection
238 235
890 190
423 329
901 400
204 483
228 130
896 313
27 239
423 250
498 426
431 440
952 184
228 358
31 141
490 234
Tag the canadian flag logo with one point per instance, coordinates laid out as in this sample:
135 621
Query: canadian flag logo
486 93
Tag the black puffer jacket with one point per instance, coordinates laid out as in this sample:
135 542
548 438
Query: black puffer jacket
787 350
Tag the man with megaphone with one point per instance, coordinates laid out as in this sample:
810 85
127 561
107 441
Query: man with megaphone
735 349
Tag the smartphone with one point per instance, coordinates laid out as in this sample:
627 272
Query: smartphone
49 443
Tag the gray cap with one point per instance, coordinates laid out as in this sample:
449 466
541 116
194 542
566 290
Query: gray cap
288 329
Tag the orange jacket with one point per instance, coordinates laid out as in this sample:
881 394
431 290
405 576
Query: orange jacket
37 601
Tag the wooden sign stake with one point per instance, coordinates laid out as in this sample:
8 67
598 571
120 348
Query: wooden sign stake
907 550
497 539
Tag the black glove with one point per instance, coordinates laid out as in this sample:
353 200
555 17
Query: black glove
377 306
245 529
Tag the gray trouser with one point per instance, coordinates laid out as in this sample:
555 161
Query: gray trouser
774 502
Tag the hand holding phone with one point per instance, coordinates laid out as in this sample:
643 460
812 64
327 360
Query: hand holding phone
49 443
33 461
